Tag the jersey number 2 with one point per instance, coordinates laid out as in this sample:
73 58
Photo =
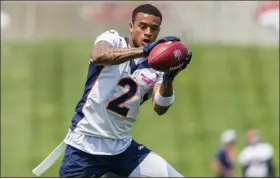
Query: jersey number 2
115 105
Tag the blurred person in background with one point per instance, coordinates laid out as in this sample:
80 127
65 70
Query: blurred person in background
223 163
119 80
5 20
256 157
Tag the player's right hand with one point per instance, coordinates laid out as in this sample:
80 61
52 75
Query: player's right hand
149 47
172 74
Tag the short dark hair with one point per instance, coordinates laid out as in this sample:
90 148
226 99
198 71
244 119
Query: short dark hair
147 9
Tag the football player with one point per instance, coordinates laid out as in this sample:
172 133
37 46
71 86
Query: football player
119 80
256 158
223 163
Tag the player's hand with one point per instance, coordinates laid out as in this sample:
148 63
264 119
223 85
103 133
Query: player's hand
172 74
148 48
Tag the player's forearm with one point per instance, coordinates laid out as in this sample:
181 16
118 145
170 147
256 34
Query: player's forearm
164 91
114 56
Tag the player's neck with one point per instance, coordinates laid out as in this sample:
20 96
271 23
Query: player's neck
130 42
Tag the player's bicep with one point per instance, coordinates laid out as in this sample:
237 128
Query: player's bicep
103 43
98 49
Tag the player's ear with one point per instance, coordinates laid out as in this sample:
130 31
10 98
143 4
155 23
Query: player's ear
130 26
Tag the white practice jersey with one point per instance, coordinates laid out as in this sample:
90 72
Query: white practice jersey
112 97
254 159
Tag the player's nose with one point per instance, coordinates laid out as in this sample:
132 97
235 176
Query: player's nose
148 32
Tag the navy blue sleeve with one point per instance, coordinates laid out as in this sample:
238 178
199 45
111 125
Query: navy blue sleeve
224 160
244 168
220 155
270 165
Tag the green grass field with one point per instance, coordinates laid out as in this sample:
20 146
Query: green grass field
224 87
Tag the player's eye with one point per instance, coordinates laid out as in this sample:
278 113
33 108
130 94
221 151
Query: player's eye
154 28
142 26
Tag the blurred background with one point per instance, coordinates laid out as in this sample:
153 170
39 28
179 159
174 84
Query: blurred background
233 81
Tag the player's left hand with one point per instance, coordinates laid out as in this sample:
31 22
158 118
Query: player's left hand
148 48
170 75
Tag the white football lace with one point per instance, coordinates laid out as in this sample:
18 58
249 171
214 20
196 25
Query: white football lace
176 67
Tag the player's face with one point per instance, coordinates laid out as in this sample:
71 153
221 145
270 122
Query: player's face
145 29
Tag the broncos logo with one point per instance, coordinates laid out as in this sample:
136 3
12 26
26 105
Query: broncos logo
177 54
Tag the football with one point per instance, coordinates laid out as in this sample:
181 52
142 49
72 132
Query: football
167 56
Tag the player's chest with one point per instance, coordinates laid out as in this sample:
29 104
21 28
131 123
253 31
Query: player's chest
145 78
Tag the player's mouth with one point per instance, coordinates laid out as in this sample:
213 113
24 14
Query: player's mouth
146 41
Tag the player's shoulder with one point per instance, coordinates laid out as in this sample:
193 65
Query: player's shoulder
111 32
263 150
111 36
266 148
220 152
267 145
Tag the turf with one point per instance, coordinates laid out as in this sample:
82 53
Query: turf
224 87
